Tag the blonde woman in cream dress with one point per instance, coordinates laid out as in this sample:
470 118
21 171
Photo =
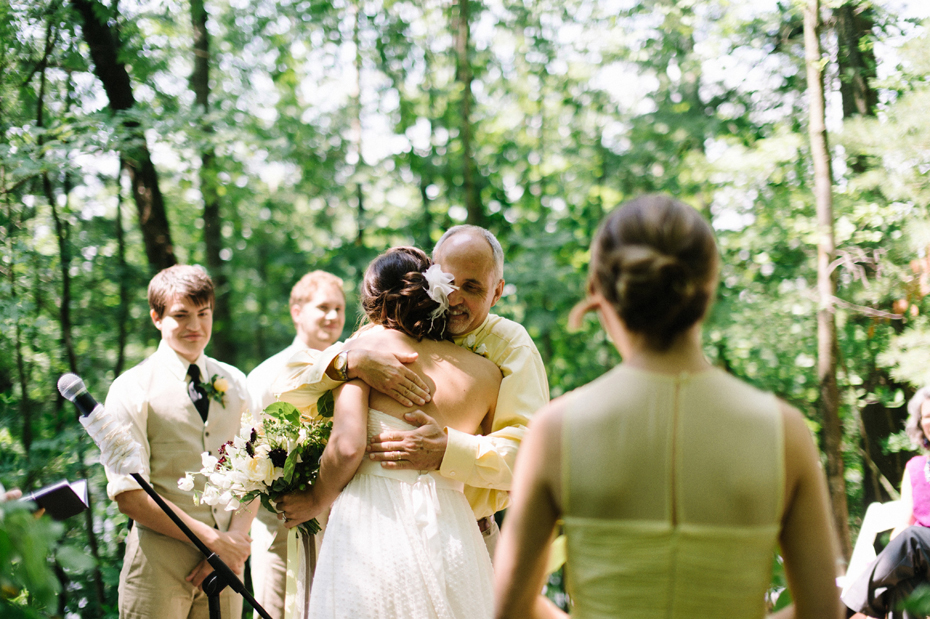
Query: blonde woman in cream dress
675 481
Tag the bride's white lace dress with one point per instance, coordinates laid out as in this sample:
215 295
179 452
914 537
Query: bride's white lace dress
400 544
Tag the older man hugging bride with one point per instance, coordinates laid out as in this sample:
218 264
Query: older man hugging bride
403 542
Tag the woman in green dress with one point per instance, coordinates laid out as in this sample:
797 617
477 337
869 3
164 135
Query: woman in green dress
675 481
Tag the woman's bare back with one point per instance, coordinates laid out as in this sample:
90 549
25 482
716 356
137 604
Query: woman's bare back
463 385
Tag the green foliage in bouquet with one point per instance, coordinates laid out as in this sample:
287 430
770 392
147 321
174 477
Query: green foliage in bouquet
301 465
280 456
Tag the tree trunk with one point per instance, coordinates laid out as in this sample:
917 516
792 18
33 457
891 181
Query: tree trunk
424 237
122 273
356 104
827 349
856 61
104 50
212 221
464 77
25 406
856 66
63 233
62 229
261 345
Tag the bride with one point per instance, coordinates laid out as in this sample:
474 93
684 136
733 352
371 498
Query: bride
401 543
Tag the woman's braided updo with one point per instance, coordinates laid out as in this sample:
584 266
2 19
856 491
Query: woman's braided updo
394 294
653 259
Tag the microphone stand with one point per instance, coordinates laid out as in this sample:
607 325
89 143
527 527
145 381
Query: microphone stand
221 576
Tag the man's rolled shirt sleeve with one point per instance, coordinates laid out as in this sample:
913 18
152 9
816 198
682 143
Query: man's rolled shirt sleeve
127 403
304 378
485 463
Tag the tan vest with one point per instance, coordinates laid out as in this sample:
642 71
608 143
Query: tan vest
178 436
155 392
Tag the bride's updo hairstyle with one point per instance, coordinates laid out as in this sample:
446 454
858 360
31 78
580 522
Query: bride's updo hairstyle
654 259
394 294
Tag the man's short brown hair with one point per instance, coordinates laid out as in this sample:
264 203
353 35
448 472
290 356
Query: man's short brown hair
304 289
182 280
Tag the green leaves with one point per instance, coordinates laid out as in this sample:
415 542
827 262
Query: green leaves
283 411
26 577
290 465
918 602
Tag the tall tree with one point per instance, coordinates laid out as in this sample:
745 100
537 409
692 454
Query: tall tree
827 348
25 405
62 228
104 45
223 347
355 105
122 273
464 77
856 63
856 58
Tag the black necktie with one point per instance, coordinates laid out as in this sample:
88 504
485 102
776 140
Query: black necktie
197 393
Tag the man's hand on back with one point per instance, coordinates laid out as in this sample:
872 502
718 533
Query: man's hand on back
421 449
387 373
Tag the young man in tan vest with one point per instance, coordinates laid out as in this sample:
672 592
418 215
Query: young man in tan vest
178 403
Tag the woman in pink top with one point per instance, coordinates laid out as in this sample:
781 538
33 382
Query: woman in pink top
905 562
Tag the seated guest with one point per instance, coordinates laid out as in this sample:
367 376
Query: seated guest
905 562
675 481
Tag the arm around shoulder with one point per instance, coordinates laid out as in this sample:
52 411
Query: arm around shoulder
808 541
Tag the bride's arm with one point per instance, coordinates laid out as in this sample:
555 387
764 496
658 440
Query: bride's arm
340 460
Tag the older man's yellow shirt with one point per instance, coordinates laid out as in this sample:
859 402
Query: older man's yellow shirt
483 463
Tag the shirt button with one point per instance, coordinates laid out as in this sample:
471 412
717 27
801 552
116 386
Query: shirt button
452 474
207 433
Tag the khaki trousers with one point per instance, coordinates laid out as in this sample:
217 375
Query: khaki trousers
269 562
152 585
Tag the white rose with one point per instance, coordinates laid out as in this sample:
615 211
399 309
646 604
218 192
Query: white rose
470 340
209 462
220 481
186 483
210 496
225 498
238 478
260 469
482 350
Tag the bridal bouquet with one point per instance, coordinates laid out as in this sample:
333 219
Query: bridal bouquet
279 456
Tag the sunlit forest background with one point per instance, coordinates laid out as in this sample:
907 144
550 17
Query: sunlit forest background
266 138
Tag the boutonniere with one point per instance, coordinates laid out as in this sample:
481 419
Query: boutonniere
471 343
216 389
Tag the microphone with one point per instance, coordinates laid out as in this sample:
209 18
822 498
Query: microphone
118 451
72 388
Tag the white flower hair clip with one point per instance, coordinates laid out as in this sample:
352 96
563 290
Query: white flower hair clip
439 287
